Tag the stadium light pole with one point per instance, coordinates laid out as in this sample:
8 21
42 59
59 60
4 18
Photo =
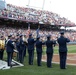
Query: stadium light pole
28 3
43 8
43 5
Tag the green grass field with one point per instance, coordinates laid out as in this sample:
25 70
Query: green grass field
42 70
71 49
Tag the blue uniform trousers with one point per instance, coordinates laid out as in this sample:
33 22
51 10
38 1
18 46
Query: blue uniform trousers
49 59
39 56
31 56
63 57
9 58
21 56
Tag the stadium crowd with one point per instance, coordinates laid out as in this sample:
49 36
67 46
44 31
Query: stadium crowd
55 34
34 15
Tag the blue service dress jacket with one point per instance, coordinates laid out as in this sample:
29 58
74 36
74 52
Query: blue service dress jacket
10 46
63 44
31 44
49 45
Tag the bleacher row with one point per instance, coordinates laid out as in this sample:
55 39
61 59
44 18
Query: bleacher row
54 34
34 15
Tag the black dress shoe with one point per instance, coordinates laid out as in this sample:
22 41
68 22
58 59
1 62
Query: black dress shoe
31 64
49 66
39 65
63 68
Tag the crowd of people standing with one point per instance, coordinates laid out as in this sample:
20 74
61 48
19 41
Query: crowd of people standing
18 43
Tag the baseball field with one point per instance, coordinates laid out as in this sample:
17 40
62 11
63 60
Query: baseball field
43 70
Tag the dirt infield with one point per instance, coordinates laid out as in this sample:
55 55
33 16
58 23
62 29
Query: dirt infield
71 59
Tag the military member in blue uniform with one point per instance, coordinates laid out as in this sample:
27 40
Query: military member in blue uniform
31 43
25 45
17 46
39 50
49 50
62 41
9 50
21 50
25 49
